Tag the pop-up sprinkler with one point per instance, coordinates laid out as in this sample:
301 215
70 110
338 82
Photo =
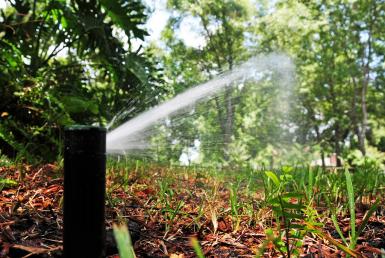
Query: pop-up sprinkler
84 192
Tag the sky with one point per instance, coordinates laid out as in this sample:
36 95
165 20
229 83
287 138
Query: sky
158 20
2 4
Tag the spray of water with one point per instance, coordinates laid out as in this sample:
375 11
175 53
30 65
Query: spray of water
134 135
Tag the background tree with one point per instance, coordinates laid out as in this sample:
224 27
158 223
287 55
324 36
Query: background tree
223 26
338 50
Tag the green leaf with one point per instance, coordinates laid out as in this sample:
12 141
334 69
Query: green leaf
123 240
279 201
368 214
309 189
7 183
75 104
352 207
127 15
273 177
297 226
295 206
197 248
287 169
64 22
293 195
290 215
136 66
338 229
336 243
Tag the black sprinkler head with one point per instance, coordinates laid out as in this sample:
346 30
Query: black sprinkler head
84 191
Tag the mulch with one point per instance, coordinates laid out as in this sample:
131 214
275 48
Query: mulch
31 221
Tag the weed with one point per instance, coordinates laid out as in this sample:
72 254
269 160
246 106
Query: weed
352 209
7 183
288 209
123 241
234 204
353 233
197 247
4 161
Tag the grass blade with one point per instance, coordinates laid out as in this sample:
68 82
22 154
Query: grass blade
273 177
368 214
310 184
352 206
197 247
123 240
338 229
336 243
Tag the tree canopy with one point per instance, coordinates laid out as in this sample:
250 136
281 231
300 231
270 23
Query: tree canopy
338 50
65 62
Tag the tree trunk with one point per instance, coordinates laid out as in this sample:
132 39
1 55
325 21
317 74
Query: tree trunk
337 127
337 146
364 123
366 78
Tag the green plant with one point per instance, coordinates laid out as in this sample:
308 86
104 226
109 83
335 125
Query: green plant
171 213
123 241
234 204
196 218
269 239
371 185
4 160
170 208
42 91
7 183
352 209
197 247
288 209
353 232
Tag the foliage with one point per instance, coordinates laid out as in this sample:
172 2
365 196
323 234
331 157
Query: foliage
222 26
289 209
78 62
333 106
69 62
7 183
291 206
354 233
293 195
338 51
197 248
123 240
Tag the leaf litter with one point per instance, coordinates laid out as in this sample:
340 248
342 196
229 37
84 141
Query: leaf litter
164 212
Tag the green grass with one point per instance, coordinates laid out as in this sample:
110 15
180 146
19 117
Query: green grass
284 201
123 241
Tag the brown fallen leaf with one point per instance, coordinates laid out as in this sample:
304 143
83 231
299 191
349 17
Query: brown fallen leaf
32 250
370 249
5 251
52 188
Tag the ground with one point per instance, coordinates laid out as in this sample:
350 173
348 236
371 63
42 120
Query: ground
165 208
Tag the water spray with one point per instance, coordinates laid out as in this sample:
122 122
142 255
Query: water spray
135 134
84 192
